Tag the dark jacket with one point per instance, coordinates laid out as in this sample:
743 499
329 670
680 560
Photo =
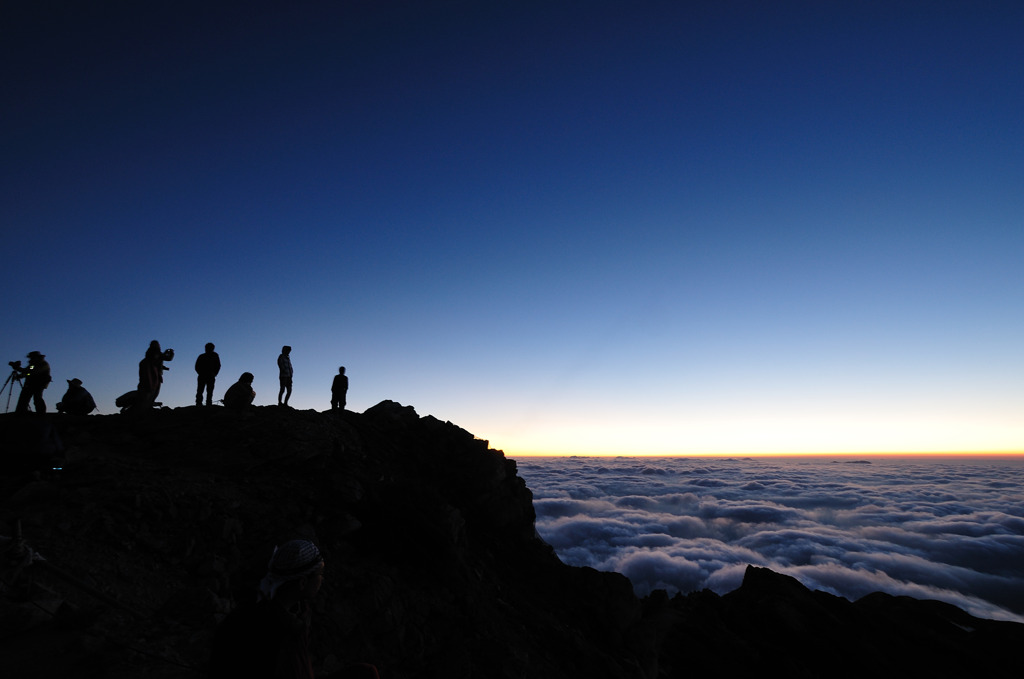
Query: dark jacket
208 364
239 395
262 641
77 401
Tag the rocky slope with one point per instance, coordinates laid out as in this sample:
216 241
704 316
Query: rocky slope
155 525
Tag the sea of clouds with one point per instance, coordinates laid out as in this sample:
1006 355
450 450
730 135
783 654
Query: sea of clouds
931 528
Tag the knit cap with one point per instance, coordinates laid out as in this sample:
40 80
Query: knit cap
293 560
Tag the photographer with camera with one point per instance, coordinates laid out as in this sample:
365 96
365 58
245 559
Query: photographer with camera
37 378
151 373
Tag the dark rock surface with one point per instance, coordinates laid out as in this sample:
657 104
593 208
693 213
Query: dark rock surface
156 524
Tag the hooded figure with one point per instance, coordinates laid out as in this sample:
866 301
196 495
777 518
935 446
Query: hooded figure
284 373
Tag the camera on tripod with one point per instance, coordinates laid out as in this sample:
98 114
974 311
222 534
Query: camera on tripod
14 378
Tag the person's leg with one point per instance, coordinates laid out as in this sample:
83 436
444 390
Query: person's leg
23 399
209 390
37 399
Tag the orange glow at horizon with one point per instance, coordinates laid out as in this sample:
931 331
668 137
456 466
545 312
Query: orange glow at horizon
922 453
765 437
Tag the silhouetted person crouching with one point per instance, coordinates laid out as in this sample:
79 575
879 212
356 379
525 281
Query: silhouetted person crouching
240 395
207 367
77 400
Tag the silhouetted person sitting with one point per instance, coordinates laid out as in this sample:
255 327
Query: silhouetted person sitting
207 367
37 378
339 389
269 638
284 366
77 400
240 395
151 373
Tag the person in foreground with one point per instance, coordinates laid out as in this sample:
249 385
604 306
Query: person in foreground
269 638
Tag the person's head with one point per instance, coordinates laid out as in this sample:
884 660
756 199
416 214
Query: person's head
296 568
34 356
286 349
74 383
341 370
246 378
209 347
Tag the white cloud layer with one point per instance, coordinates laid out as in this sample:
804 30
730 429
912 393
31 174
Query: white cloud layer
946 529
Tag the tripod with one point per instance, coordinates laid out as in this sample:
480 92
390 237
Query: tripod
9 387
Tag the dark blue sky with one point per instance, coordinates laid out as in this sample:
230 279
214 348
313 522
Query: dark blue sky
566 226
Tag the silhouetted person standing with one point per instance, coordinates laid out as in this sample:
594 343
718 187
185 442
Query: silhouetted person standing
37 378
240 395
339 389
284 367
151 373
77 400
207 367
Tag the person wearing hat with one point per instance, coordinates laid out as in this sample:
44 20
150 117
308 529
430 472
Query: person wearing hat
269 638
77 400
37 378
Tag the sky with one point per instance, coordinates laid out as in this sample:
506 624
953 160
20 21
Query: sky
944 528
581 227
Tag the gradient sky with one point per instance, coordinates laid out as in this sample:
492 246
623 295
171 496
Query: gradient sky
590 227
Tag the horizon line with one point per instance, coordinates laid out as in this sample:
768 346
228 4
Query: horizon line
916 453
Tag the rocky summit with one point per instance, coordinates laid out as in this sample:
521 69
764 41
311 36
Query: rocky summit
127 538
